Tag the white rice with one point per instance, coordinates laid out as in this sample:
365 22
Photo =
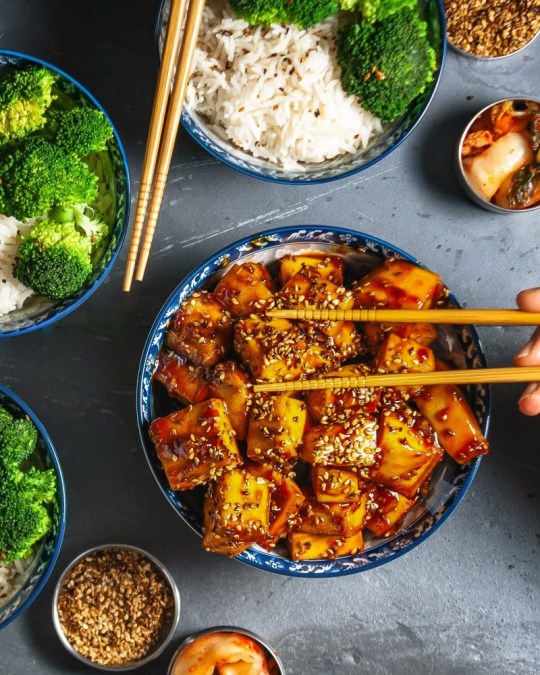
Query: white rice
276 92
12 292
13 575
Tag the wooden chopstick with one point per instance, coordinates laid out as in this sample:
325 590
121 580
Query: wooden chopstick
174 112
473 376
498 317
161 98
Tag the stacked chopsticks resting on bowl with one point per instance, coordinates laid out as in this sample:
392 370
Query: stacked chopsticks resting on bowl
497 317
180 41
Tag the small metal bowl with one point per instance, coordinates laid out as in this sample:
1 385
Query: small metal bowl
167 631
477 57
276 667
462 176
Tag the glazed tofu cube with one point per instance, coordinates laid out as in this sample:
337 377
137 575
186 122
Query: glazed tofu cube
195 444
276 427
214 539
200 330
397 284
424 333
329 267
278 349
286 498
409 451
352 443
245 289
398 354
182 379
316 546
334 519
332 405
229 383
332 485
446 409
243 505
390 508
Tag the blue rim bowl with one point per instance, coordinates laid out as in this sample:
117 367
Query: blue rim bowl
37 312
393 135
49 548
450 481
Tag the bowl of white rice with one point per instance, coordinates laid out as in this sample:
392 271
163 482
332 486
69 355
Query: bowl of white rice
268 101
22 310
21 581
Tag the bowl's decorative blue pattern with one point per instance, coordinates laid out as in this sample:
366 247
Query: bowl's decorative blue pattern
49 549
38 312
451 480
340 167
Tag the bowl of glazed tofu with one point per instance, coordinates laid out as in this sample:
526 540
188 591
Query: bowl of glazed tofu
313 483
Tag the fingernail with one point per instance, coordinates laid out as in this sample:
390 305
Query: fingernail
524 351
530 290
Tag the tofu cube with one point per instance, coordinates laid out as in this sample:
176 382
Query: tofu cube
182 379
200 330
332 485
398 354
243 505
195 444
424 333
329 267
316 546
245 289
229 383
390 508
397 284
276 427
409 451
216 540
334 519
446 409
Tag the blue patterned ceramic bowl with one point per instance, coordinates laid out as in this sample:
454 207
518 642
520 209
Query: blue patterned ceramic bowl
459 344
346 165
47 551
38 312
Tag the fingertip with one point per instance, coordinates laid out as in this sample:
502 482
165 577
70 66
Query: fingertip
529 300
529 403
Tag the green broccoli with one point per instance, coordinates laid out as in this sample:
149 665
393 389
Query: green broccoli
25 95
301 13
80 130
54 259
25 494
38 175
387 64
376 10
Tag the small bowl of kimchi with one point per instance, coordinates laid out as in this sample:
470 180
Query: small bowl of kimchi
498 156
225 649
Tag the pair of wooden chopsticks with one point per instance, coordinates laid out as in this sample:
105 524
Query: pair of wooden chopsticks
497 317
176 62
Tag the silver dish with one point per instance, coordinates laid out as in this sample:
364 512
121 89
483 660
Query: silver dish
167 631
276 664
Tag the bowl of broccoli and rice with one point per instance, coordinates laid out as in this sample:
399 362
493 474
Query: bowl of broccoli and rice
32 506
312 90
64 194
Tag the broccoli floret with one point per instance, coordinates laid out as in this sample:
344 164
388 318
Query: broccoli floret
376 10
301 13
387 64
24 494
54 259
38 175
24 97
86 219
81 130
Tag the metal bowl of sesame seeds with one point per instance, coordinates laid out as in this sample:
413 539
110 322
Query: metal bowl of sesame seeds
362 252
116 607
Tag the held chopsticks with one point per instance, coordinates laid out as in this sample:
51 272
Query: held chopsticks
497 317
474 376
163 127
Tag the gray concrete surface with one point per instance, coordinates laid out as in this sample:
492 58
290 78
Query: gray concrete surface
464 602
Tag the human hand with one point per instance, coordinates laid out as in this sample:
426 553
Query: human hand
529 355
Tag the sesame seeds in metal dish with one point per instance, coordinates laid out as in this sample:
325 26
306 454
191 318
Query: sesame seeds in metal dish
361 253
115 607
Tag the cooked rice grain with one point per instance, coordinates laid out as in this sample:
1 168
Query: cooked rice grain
276 92
12 292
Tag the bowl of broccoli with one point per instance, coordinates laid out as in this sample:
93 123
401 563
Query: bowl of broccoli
64 194
32 506
313 90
